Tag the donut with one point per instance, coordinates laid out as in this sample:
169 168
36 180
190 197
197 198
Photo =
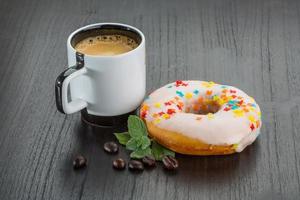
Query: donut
201 118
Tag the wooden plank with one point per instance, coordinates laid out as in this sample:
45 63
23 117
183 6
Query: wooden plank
253 45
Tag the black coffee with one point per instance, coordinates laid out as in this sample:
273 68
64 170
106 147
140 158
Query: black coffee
106 45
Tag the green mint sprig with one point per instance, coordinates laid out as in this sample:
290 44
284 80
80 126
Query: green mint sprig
159 151
137 141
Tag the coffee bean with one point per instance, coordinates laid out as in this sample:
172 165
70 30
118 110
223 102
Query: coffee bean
119 164
111 147
170 163
149 161
135 165
79 162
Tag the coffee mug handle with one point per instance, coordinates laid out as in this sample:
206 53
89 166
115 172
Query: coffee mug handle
61 90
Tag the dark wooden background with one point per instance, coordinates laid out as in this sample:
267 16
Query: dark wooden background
254 45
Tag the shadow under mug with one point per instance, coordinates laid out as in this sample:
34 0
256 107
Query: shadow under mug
106 89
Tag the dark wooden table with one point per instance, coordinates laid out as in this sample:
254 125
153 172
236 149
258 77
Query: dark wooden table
254 45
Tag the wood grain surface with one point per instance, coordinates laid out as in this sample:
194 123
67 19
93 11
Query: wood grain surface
251 44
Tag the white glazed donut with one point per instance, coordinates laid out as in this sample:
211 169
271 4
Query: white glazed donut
201 118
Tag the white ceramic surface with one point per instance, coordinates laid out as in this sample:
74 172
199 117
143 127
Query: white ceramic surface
106 85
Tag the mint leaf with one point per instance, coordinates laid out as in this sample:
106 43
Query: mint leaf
133 144
136 126
159 151
145 142
138 143
137 140
140 153
123 138
168 152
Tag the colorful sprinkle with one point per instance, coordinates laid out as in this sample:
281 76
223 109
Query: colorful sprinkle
155 115
171 111
179 107
143 114
180 83
157 105
208 84
196 92
226 109
251 118
176 98
238 113
234 107
179 93
161 113
196 107
241 102
209 92
145 107
257 123
224 91
231 102
168 103
245 110
188 95
221 102
252 127
200 100
166 116
181 103
156 121
216 98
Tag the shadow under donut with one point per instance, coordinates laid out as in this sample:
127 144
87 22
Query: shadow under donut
218 169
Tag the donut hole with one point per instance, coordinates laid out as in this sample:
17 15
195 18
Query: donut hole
202 107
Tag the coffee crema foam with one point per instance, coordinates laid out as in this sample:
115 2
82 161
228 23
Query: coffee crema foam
106 45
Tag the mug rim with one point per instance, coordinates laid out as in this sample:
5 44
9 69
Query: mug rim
95 25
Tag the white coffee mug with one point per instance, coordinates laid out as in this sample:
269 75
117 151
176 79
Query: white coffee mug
103 85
